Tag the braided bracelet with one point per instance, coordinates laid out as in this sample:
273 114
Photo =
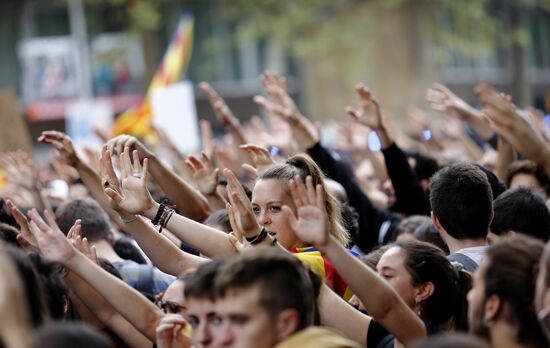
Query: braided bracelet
162 207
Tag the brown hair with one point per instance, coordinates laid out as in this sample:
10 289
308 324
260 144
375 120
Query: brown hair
304 166
427 263
511 272
284 282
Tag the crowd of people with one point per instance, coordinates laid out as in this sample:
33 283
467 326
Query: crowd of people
285 233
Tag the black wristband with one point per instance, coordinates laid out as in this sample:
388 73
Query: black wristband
162 205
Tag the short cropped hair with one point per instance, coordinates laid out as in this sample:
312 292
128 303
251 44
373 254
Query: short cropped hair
283 280
95 221
200 284
461 198
521 210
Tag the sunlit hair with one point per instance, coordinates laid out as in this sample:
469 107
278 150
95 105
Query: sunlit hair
303 166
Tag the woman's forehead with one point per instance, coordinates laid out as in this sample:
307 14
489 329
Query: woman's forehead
270 190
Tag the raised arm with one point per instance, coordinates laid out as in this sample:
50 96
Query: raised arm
94 302
224 113
206 176
53 245
64 145
444 100
410 197
378 297
20 170
190 202
162 252
133 197
514 128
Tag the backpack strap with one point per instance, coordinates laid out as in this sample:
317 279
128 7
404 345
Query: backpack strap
466 261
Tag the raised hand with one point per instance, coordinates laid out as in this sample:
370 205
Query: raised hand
511 125
132 195
118 144
370 114
25 238
236 236
444 100
205 175
223 112
280 103
260 156
310 222
20 170
244 215
63 144
52 243
172 332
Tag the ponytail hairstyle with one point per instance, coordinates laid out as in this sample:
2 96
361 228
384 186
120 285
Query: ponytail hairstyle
448 303
304 166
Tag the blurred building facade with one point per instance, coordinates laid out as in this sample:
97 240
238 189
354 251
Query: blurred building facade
37 60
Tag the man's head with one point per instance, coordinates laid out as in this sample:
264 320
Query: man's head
263 296
201 311
461 200
521 210
503 291
95 222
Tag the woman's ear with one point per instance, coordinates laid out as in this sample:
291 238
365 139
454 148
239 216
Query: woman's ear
423 291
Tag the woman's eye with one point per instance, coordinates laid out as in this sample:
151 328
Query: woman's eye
275 209
256 210
387 276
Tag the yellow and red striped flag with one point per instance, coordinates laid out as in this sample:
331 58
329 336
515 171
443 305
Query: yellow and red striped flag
137 120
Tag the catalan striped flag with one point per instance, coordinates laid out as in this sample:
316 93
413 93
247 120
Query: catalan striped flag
137 120
320 265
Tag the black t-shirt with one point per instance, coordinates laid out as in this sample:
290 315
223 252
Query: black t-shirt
379 337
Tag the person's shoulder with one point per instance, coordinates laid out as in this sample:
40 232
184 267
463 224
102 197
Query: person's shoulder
317 337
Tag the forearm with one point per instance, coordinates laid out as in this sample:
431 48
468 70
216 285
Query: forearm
124 299
16 336
340 315
378 297
215 201
209 241
384 137
505 156
39 199
479 125
106 313
378 165
163 253
410 197
190 202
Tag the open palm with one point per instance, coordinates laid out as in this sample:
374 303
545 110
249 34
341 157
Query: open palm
310 221
131 195
370 114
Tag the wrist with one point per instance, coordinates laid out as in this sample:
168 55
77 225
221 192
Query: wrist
151 211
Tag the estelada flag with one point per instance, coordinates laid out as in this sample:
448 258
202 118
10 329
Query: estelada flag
137 120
